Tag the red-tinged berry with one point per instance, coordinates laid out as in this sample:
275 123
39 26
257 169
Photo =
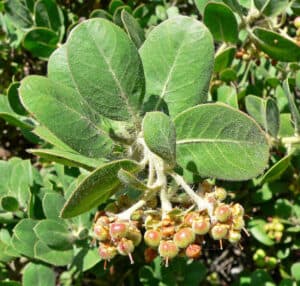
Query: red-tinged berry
223 213
126 247
193 251
152 238
190 217
101 232
150 254
234 236
118 230
184 237
168 250
219 231
201 226
107 252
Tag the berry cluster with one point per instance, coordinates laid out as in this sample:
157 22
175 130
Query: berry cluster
177 232
262 260
116 237
274 228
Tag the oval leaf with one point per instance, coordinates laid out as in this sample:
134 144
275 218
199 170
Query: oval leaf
160 136
96 188
14 99
221 22
214 140
41 42
38 275
182 50
277 46
128 179
106 68
63 113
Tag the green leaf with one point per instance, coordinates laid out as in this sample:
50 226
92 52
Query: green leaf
106 69
14 99
18 13
48 14
221 22
85 259
38 275
100 13
117 14
133 28
160 136
295 271
265 112
9 203
41 42
52 205
227 94
24 238
182 50
67 158
64 114
276 46
293 108
54 233
128 179
114 5
275 172
286 127
11 117
96 188
271 7
261 277
259 234
224 59
200 4
215 140
262 195
52 256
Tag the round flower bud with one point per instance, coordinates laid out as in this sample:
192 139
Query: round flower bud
167 249
101 232
193 251
107 252
260 253
278 226
201 226
223 213
271 262
234 236
219 231
126 247
168 231
118 230
190 217
238 223
152 238
135 235
220 194
237 210
297 22
184 237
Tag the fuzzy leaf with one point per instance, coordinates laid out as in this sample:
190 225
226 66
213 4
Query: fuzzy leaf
38 275
215 140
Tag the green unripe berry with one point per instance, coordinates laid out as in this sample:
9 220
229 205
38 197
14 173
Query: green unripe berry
135 235
260 253
219 231
278 235
152 238
107 252
101 232
271 262
118 230
278 227
201 226
193 251
297 22
184 237
234 236
223 213
168 249
260 262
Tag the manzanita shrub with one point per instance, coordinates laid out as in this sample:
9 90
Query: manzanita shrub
157 140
